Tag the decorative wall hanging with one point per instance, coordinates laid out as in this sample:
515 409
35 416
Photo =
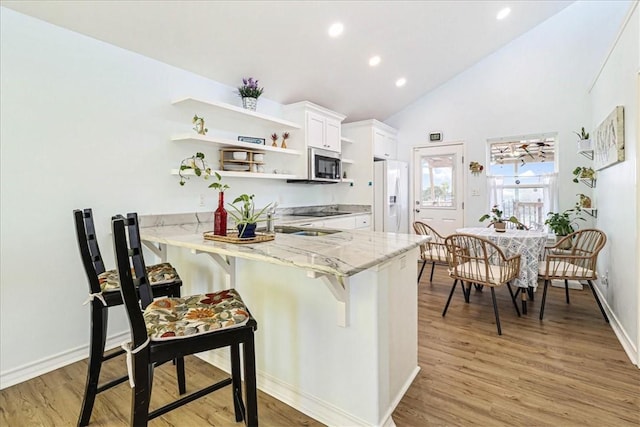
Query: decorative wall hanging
609 140
476 168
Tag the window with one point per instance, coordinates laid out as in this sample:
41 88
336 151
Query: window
438 185
522 177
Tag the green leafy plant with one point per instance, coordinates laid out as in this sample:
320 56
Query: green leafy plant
249 88
564 223
198 165
495 216
583 134
246 213
583 172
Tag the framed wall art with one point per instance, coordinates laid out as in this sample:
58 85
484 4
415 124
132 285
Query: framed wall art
609 140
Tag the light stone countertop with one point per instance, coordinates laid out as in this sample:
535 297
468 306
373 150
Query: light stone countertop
344 253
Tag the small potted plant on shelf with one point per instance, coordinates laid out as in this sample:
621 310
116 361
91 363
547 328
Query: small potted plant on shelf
583 172
245 216
198 165
199 125
285 136
274 139
584 143
495 218
250 92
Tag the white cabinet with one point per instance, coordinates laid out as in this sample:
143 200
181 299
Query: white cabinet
385 144
363 222
380 137
322 127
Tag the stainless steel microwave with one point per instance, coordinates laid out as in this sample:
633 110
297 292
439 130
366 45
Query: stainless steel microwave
324 166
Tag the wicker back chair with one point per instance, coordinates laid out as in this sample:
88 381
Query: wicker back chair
476 260
433 251
578 262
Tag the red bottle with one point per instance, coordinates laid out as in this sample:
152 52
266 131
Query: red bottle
220 217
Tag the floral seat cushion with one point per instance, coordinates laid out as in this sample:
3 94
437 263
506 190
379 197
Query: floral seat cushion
174 318
158 274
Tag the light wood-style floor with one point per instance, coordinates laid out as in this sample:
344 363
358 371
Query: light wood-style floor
568 370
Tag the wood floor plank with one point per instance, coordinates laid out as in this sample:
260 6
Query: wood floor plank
568 370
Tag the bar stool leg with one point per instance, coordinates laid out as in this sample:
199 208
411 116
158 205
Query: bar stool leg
99 317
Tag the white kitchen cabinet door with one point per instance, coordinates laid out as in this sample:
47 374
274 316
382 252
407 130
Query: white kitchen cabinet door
384 145
363 222
348 223
316 130
332 135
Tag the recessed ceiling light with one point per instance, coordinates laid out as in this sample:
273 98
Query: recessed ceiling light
503 13
401 82
336 29
374 60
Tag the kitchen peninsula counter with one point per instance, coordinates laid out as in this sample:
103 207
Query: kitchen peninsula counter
342 254
337 313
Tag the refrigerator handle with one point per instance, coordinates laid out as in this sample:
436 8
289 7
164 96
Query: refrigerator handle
397 213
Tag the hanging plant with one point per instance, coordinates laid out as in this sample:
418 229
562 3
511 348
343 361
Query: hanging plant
476 168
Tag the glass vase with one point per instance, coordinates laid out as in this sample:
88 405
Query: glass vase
220 217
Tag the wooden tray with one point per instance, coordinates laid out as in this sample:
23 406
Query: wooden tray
232 237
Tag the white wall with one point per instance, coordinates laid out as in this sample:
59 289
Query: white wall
617 210
540 83
86 124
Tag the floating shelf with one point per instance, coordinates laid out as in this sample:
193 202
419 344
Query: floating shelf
221 107
589 182
587 153
349 180
231 142
347 161
256 175
347 140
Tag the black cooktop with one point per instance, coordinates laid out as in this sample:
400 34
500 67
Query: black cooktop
319 214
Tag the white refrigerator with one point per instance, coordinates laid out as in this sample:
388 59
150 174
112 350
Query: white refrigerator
391 196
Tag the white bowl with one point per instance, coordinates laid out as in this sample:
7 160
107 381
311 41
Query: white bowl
239 155
258 157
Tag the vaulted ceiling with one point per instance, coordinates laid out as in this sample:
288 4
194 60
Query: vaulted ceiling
286 46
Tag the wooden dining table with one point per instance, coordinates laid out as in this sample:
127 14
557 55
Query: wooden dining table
529 244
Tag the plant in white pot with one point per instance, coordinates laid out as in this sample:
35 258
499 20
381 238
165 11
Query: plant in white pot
583 172
245 216
495 218
250 92
584 143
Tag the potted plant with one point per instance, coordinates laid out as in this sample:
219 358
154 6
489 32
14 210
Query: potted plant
563 223
584 143
245 216
285 136
585 201
495 218
197 164
583 172
250 92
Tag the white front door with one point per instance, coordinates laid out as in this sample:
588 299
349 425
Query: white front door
438 187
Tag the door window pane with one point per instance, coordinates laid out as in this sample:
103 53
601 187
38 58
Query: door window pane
438 181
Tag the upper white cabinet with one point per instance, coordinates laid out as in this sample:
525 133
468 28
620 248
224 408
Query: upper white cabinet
322 127
382 138
385 144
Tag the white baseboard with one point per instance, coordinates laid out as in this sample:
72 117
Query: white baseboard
308 404
623 337
39 367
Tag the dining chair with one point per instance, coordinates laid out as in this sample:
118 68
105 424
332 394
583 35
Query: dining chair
168 328
104 292
433 251
577 262
479 261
